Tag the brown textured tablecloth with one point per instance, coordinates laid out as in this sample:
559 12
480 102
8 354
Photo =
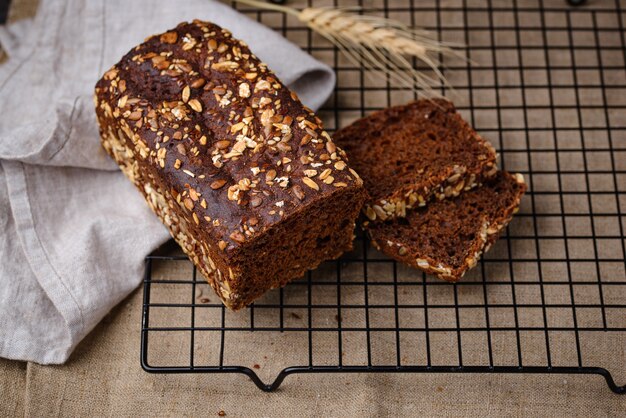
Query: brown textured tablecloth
103 376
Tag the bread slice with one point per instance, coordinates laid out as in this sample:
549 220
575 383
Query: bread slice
446 238
409 154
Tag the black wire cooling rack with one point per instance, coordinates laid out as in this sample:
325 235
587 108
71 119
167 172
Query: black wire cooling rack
548 87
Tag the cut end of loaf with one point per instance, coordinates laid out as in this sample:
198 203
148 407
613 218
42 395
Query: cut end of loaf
323 232
448 237
409 155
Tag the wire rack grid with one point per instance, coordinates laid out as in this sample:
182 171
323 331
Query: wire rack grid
547 87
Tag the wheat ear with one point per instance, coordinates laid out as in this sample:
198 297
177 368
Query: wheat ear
375 43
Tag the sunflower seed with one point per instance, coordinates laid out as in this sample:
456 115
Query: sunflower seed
222 144
297 191
422 263
325 174
237 236
313 185
169 37
196 84
195 105
218 184
270 175
186 94
136 115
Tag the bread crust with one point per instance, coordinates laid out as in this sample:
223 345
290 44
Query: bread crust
227 156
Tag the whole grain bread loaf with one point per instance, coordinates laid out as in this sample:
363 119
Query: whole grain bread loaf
243 175
447 237
410 154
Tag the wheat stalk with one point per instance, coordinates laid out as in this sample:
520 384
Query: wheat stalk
385 46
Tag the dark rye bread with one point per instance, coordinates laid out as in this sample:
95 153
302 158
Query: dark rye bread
243 175
447 237
409 154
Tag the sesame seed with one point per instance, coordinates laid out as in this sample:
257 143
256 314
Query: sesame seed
189 173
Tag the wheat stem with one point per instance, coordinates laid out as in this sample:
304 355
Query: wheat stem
376 43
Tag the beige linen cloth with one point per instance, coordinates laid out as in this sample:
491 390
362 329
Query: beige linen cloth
74 230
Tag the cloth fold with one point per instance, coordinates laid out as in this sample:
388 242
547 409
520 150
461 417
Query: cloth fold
75 231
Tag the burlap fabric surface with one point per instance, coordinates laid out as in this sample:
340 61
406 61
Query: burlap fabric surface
103 376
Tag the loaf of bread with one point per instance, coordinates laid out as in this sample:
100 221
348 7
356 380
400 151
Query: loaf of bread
410 154
243 175
447 237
